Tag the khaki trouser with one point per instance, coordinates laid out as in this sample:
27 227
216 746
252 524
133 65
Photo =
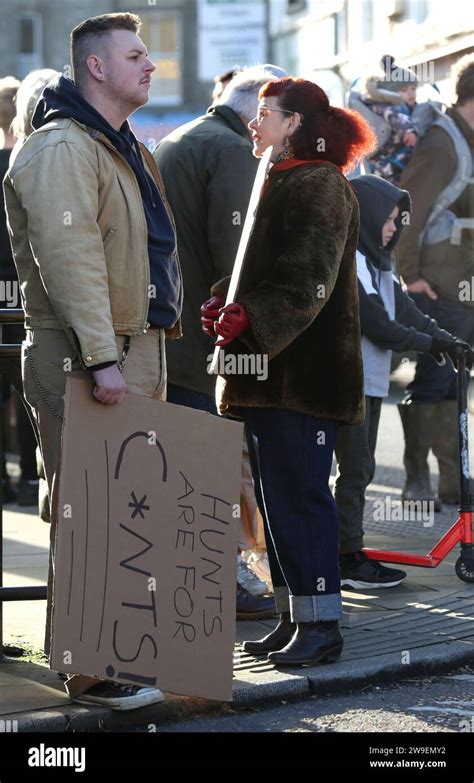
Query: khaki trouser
47 359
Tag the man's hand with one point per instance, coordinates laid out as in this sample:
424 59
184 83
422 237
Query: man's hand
422 287
110 386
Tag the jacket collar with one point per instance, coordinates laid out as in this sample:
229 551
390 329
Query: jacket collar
284 167
231 118
292 163
97 135
463 126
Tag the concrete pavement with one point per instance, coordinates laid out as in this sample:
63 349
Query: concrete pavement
424 625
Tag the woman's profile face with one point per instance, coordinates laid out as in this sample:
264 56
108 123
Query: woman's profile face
270 127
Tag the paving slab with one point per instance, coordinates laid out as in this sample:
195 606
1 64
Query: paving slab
423 626
19 690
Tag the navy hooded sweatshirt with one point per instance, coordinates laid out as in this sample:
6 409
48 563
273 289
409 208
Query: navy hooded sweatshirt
389 318
62 99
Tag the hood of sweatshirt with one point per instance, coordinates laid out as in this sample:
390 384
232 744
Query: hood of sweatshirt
377 198
61 98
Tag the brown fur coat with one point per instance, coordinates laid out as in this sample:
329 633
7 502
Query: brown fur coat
299 289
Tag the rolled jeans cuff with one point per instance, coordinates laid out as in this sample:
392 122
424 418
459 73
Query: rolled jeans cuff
282 599
315 608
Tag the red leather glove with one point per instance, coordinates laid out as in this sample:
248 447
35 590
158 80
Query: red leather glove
233 321
210 314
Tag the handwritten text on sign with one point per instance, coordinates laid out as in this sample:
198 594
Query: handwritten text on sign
145 565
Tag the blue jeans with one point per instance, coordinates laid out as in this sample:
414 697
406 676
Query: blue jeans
179 395
291 456
433 383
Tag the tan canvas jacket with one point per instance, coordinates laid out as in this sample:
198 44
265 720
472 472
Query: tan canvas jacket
79 237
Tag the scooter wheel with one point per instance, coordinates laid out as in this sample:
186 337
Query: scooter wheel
464 571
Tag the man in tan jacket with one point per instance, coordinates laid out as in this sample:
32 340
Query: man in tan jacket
95 248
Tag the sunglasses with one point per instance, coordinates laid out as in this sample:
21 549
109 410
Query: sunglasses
264 111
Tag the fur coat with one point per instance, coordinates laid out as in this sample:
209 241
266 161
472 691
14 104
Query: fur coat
299 289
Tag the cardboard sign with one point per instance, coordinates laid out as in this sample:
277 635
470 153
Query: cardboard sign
147 543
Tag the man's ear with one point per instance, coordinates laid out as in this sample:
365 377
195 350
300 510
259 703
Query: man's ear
95 66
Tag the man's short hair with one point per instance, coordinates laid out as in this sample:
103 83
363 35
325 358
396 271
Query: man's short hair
91 32
8 90
462 73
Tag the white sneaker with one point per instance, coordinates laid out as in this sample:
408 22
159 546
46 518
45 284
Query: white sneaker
248 580
258 563
119 697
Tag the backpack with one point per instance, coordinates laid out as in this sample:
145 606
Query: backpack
442 223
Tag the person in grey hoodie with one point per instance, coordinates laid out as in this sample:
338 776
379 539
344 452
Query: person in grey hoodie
390 321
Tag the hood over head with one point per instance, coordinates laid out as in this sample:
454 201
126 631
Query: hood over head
374 90
377 198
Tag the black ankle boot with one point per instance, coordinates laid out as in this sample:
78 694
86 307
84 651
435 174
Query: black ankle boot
312 643
275 640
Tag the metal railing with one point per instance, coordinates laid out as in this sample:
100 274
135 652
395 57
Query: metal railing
8 353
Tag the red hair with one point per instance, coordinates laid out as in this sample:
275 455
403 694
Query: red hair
327 133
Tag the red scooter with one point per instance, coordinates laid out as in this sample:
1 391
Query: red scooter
461 532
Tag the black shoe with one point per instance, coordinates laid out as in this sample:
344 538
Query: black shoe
275 640
358 571
28 492
254 607
119 697
312 643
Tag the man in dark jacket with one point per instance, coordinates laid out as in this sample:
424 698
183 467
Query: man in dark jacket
208 170
8 89
9 293
436 262
390 321
14 333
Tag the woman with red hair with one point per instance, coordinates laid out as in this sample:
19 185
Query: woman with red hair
297 305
